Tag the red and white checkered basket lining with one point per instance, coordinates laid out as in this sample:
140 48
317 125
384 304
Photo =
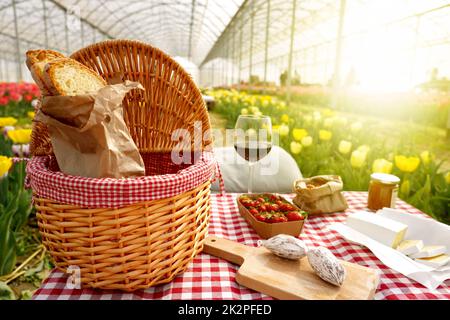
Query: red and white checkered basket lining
115 193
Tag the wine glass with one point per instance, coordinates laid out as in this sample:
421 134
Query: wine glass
252 140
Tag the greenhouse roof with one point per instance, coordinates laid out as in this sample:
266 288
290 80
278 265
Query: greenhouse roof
232 40
187 28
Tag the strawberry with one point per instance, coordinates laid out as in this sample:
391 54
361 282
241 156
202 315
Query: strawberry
269 219
294 216
246 203
286 207
253 211
262 208
260 200
260 217
277 219
252 204
279 202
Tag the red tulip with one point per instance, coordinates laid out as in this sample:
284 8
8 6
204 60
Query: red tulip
15 96
4 101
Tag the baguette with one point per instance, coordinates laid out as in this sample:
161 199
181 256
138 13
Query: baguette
68 77
36 61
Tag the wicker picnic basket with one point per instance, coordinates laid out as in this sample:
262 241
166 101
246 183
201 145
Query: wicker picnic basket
142 243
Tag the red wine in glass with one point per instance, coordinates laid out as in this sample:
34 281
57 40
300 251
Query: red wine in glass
253 140
253 151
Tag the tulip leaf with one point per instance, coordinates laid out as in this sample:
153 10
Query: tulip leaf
7 244
23 210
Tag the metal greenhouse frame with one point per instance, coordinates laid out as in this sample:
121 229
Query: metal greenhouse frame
314 41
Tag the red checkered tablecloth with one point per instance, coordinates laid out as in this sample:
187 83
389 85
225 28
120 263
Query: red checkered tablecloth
212 278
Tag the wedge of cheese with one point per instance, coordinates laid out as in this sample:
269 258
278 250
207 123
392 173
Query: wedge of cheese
386 231
429 251
409 247
435 262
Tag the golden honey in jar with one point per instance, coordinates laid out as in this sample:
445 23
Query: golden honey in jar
383 189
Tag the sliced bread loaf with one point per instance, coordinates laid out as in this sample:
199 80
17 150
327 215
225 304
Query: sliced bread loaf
36 61
37 56
68 77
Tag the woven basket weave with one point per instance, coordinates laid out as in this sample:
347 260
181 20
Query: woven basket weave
147 243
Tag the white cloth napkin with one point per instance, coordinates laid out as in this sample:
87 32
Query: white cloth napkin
430 231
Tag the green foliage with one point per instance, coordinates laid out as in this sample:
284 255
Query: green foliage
15 208
19 237
5 292
5 146
7 242
17 110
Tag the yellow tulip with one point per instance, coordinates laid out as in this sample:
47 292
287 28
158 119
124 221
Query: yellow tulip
7 121
254 110
20 136
267 98
325 135
283 130
356 126
31 114
345 147
244 111
284 118
281 106
425 156
299 134
447 177
280 129
405 188
364 148
296 147
251 133
307 141
382 166
358 159
328 112
5 165
407 164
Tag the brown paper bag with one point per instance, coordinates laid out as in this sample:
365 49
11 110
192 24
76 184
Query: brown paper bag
320 194
89 135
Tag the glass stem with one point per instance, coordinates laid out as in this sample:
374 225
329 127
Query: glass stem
250 176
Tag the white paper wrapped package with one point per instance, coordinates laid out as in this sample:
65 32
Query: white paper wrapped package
419 227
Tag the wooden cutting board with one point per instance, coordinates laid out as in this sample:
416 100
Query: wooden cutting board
286 279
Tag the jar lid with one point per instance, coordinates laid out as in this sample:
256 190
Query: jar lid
385 178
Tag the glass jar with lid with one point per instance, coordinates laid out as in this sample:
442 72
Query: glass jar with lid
383 189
